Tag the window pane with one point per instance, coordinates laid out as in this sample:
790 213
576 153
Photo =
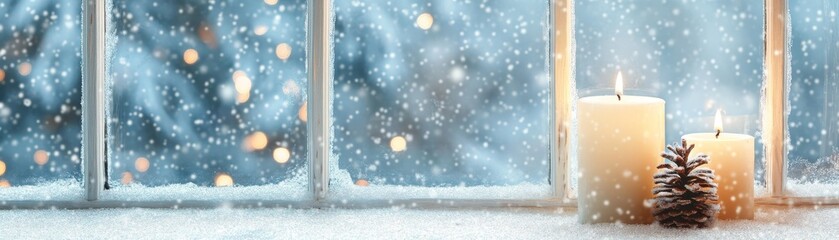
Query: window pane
813 167
698 56
207 93
441 99
40 95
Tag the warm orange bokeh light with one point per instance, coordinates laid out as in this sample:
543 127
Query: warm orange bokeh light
260 30
190 56
425 21
362 182
242 98
223 180
41 157
2 75
142 164
398 144
271 2
5 183
256 141
127 178
206 34
243 85
281 155
283 51
302 112
24 69
241 82
2 167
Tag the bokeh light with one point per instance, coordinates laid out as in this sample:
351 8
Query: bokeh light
362 182
242 82
2 75
127 178
283 51
223 180
41 157
271 2
256 141
301 114
24 69
281 155
260 30
2 167
398 144
242 97
425 21
190 56
5 183
142 164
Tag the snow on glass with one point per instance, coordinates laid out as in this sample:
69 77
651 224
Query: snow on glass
813 168
40 96
446 94
207 93
699 56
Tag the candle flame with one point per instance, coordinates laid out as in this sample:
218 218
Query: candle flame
718 122
619 85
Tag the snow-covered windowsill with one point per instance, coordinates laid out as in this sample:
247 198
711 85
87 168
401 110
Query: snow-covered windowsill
390 223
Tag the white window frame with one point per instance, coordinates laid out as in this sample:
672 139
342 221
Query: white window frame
320 21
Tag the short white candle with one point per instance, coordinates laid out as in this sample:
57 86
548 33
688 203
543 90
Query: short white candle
732 159
619 145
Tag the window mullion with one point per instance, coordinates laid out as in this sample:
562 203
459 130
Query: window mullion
319 92
93 100
774 117
562 63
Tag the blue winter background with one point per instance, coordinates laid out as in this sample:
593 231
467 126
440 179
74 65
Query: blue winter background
470 94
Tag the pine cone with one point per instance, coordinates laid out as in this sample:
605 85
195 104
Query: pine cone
685 195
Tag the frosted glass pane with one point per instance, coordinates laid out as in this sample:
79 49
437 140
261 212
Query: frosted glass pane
40 98
441 99
813 160
699 56
208 93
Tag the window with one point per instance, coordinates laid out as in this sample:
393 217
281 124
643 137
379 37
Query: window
697 56
813 167
40 100
443 99
209 100
207 94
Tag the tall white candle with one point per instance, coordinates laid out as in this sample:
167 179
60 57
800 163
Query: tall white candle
619 145
732 159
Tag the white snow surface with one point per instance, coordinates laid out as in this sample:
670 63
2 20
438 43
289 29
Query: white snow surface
770 223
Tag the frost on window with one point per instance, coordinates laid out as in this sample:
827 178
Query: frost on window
40 100
813 121
441 99
698 56
206 95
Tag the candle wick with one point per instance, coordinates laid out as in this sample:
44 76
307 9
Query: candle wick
718 133
619 97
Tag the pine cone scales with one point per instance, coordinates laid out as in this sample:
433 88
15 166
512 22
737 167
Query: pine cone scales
685 195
